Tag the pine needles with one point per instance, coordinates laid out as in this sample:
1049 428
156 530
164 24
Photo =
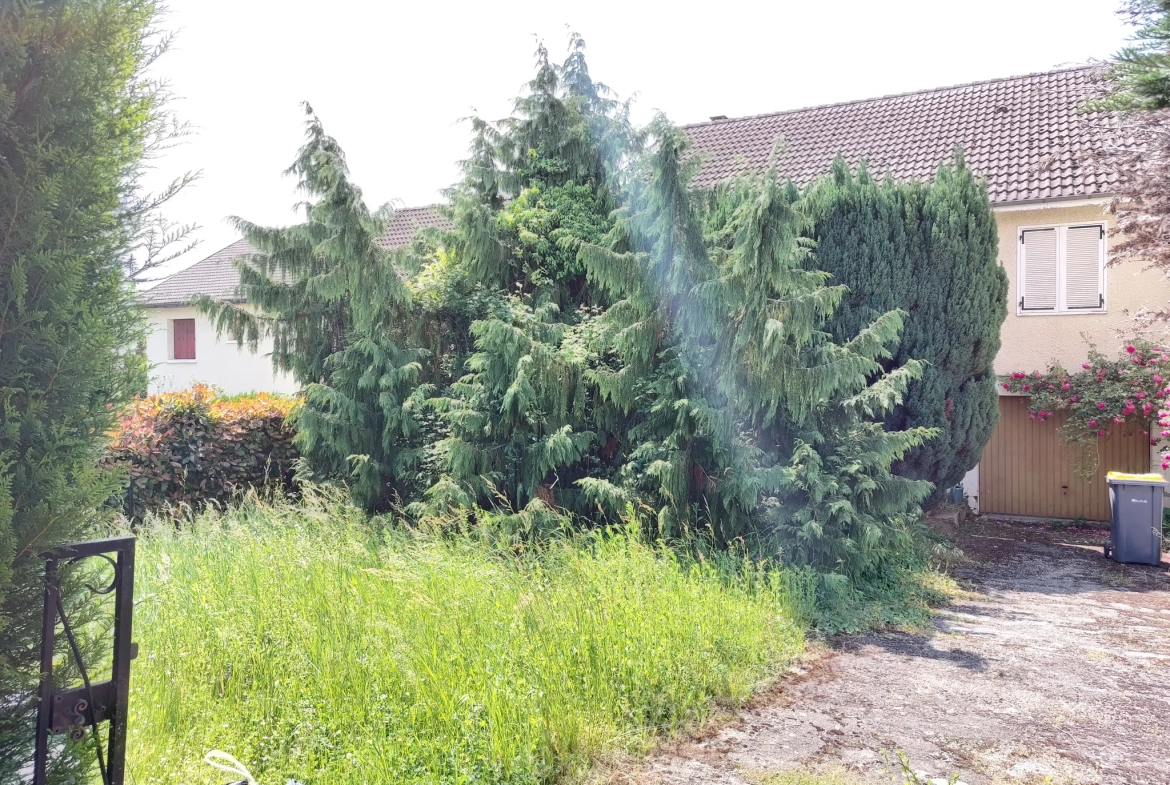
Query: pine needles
595 333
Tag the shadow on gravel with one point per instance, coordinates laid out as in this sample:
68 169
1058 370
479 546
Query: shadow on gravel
985 611
908 645
1056 563
1052 667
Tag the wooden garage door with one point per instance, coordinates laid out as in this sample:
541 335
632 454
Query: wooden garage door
1028 469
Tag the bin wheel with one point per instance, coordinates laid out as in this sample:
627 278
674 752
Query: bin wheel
1108 550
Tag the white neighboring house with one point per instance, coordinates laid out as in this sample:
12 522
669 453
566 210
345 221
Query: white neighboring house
182 345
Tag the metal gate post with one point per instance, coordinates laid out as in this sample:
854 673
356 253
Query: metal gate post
71 711
48 644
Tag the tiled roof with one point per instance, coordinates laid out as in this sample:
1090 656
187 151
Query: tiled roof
217 276
408 220
1024 134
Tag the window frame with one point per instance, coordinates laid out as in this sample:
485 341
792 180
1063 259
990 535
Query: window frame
171 340
1061 269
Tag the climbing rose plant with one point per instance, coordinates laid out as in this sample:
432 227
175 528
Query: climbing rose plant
1104 393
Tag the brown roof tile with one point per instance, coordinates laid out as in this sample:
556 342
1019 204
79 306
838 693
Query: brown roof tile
1022 133
217 276
408 220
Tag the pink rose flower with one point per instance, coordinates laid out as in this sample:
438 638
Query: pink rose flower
1100 404
1130 349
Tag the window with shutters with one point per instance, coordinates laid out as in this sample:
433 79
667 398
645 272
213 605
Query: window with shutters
1061 269
182 339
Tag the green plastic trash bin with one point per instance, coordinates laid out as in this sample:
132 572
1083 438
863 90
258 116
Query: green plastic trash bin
1136 502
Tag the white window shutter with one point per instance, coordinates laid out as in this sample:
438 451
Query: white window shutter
1083 267
1039 278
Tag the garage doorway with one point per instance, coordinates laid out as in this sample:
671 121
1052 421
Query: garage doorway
1028 469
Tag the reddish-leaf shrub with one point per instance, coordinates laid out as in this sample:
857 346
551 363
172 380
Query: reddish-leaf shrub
194 447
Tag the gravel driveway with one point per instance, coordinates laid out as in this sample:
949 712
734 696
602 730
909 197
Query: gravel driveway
1055 669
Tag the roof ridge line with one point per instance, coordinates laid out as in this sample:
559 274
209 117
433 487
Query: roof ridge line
215 272
237 241
243 239
704 123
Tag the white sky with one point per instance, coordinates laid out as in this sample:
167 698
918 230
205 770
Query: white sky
390 80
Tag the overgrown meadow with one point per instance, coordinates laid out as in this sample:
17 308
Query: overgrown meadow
479 602
314 643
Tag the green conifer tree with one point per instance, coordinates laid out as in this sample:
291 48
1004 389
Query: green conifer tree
929 249
1140 75
537 185
76 114
754 421
339 313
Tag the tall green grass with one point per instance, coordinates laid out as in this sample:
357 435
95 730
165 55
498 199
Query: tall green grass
312 644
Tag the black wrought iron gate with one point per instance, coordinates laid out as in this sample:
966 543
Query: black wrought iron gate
79 710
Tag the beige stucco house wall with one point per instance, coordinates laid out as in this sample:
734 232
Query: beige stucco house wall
1031 342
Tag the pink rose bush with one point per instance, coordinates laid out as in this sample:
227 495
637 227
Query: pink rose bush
1104 394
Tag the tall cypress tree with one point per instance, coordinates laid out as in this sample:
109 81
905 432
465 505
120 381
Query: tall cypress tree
537 185
754 421
930 250
75 117
339 314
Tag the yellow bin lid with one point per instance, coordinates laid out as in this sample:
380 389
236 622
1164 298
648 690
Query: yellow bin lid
1145 479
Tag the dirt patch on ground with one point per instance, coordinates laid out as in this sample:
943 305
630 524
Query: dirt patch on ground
1056 668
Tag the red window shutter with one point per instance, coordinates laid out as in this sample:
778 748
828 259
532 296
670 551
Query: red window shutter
184 339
